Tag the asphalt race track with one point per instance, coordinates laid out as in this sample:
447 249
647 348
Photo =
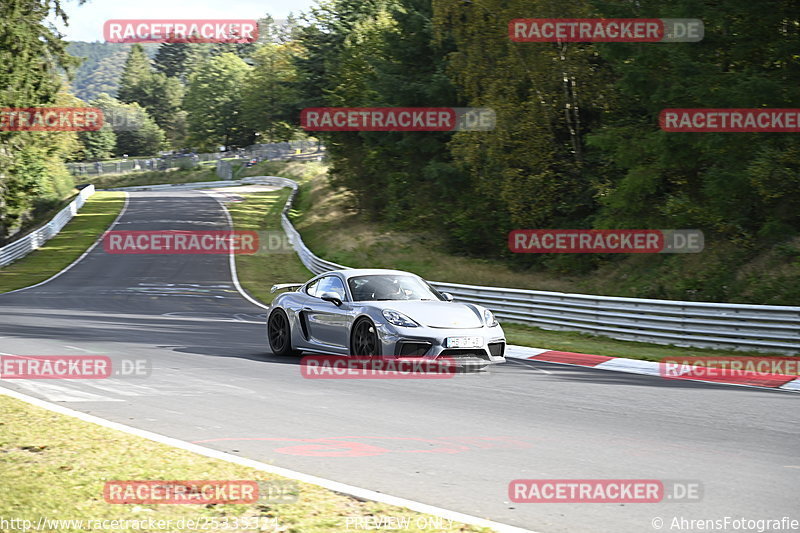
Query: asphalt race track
454 443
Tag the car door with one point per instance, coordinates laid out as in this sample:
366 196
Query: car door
327 323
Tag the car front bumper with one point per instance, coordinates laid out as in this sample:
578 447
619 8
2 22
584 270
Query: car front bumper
429 343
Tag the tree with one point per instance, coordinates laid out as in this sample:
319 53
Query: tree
97 145
158 93
103 79
179 59
136 76
32 55
171 59
382 53
732 185
136 132
163 100
100 70
242 50
214 104
269 95
532 170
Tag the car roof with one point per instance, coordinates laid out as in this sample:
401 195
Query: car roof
353 272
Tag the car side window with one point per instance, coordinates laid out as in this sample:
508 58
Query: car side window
311 288
331 284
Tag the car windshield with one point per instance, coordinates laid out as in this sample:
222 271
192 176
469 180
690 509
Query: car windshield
390 287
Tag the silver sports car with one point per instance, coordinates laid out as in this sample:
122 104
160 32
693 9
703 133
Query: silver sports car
375 312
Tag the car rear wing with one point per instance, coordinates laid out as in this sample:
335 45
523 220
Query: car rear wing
282 286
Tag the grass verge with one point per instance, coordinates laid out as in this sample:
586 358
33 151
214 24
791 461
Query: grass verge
339 234
91 221
571 341
257 273
55 467
103 207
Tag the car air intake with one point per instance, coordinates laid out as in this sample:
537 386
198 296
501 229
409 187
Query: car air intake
497 348
465 354
413 349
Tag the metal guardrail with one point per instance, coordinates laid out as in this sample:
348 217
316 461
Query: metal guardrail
692 324
30 242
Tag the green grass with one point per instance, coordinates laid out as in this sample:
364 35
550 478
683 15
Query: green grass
104 206
261 212
257 273
570 341
300 171
75 238
55 466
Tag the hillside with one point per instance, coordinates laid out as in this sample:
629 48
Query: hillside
102 67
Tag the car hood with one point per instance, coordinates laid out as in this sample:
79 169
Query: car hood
435 314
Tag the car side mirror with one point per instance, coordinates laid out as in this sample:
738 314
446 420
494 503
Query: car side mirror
447 296
332 297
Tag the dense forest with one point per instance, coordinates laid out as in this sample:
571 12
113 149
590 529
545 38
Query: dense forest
101 68
577 142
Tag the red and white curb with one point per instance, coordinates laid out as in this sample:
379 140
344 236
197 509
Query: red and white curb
650 368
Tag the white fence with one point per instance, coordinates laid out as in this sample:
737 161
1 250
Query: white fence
22 247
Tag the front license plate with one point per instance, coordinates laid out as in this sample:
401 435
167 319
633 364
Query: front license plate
464 342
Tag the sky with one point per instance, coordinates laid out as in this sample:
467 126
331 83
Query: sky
86 21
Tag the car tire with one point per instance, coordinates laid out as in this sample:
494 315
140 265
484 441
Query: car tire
364 339
279 333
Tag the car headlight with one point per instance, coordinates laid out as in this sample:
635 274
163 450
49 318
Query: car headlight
489 319
398 319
